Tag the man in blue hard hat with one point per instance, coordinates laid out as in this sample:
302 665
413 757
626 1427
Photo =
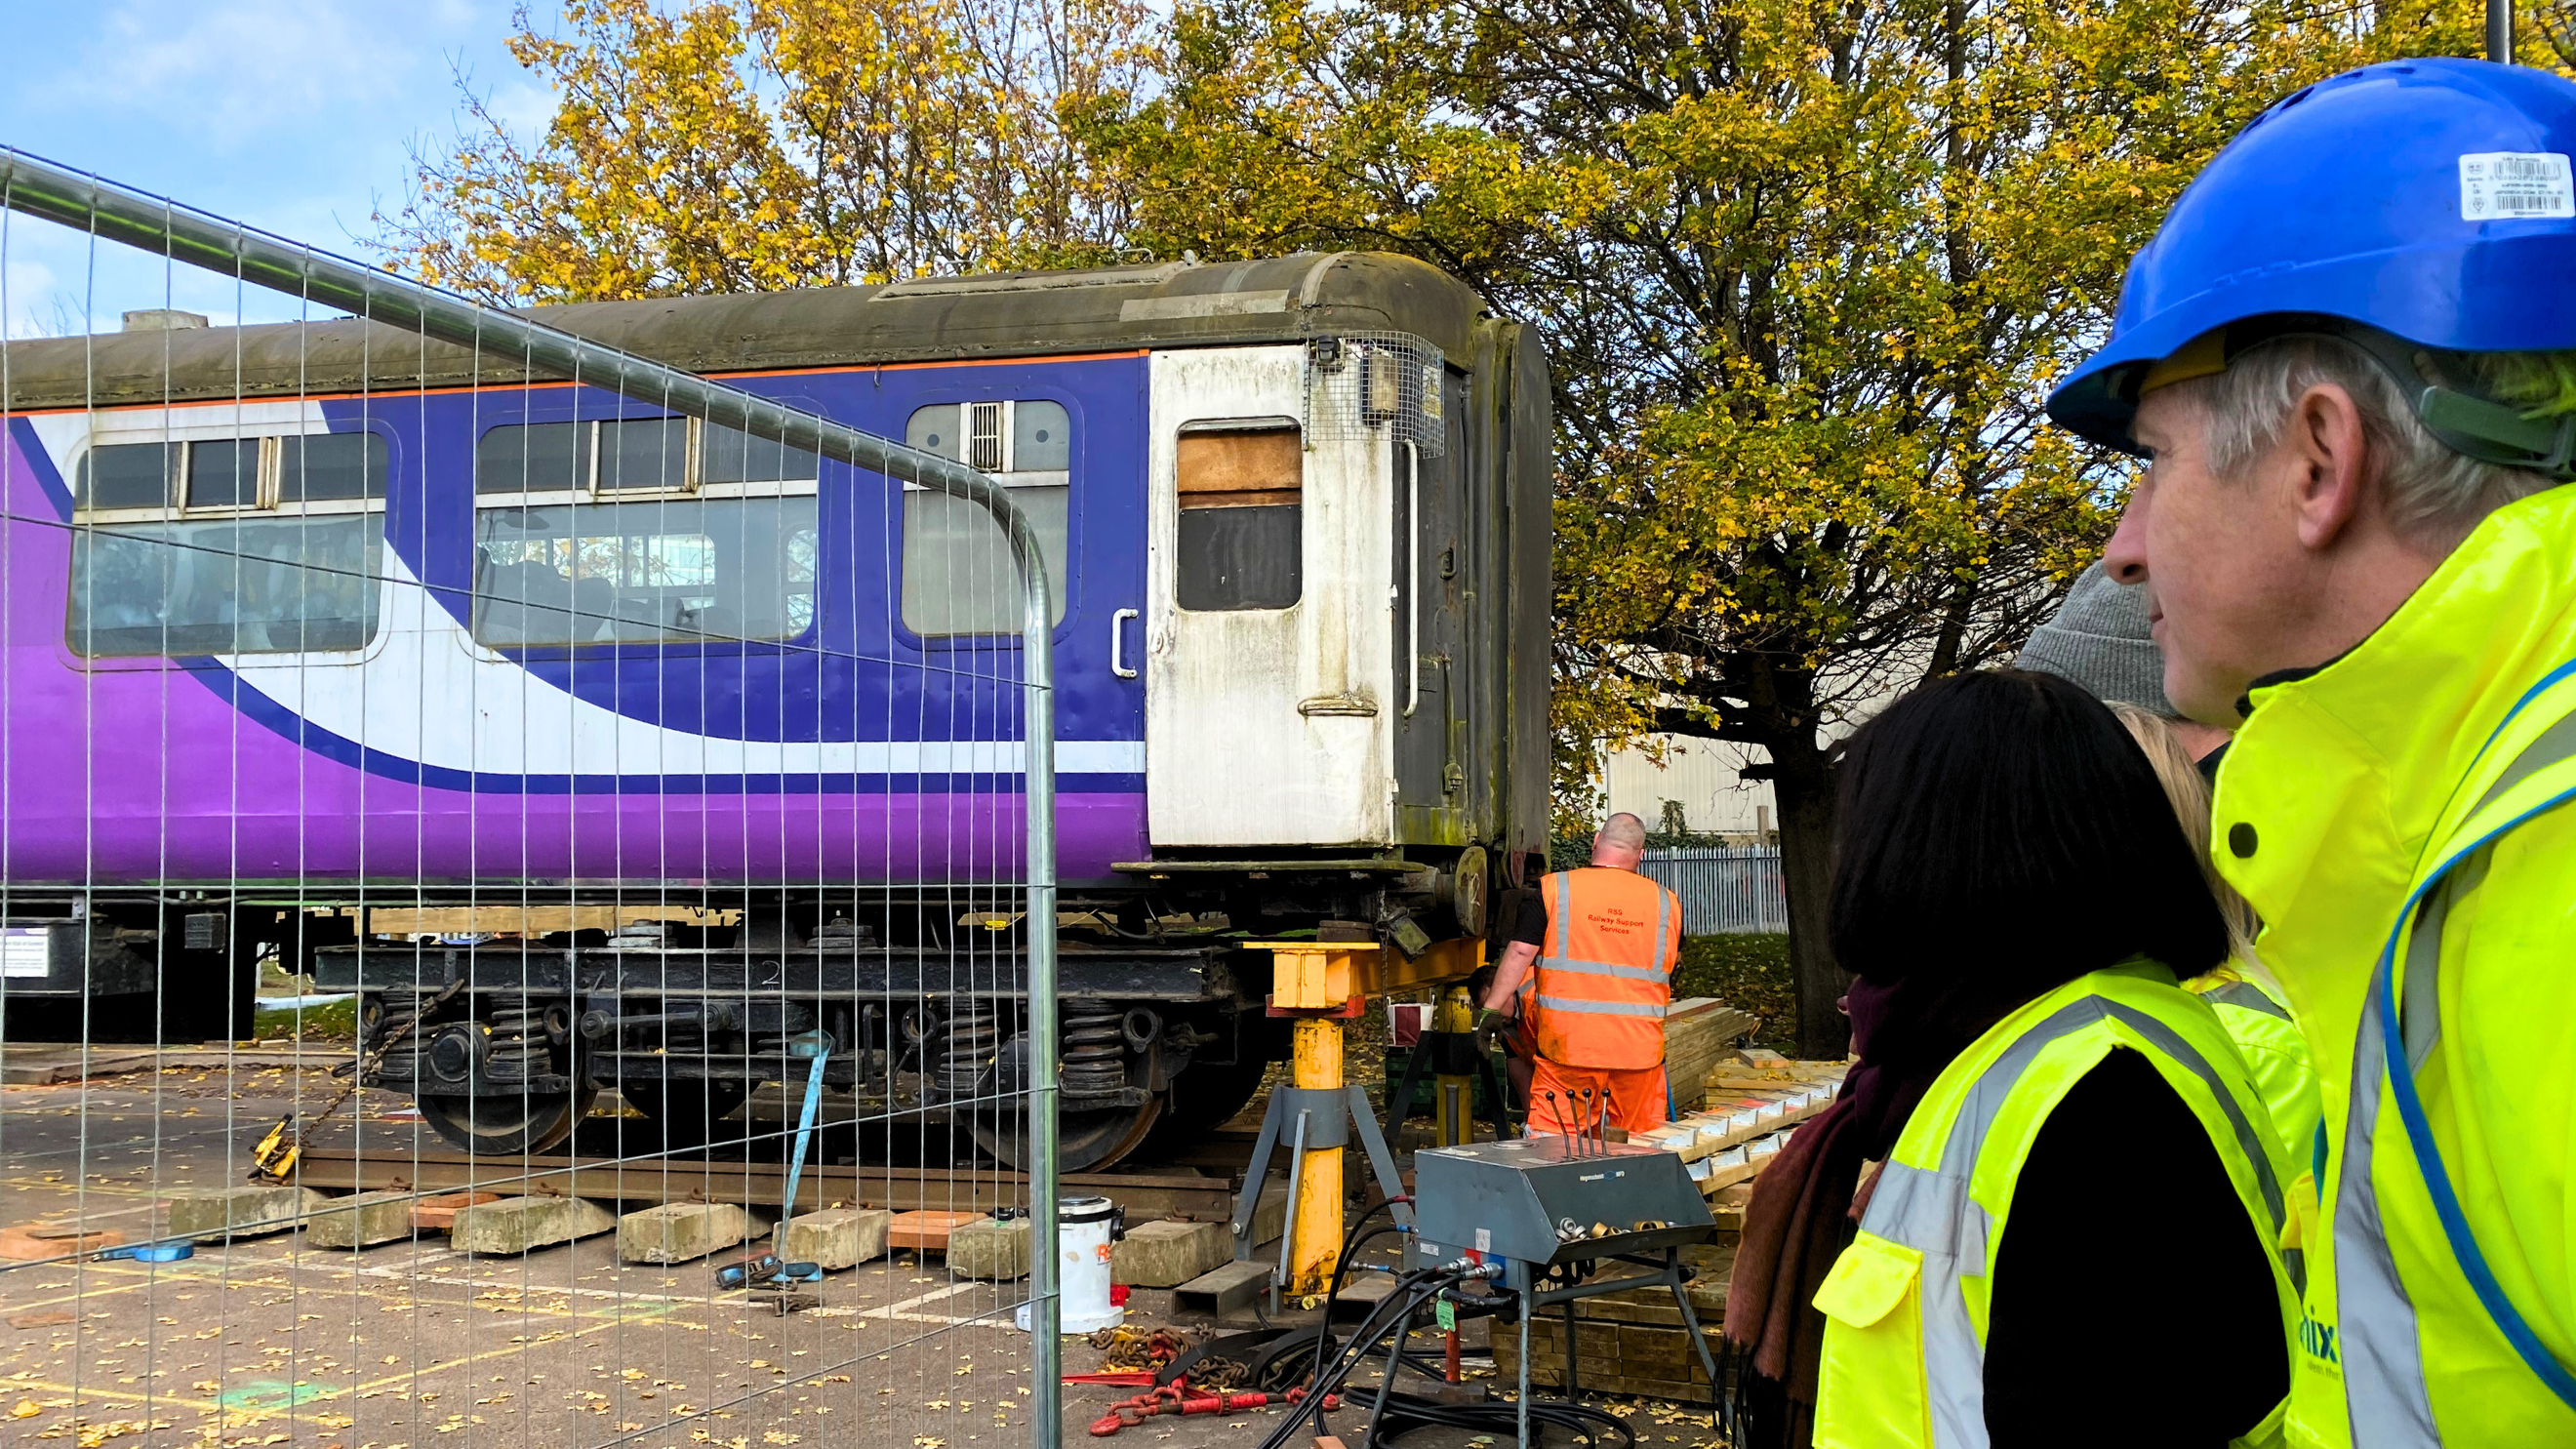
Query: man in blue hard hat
2349 357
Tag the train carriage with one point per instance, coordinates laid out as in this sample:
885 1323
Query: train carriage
596 745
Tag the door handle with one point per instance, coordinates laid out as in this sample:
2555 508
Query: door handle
1117 643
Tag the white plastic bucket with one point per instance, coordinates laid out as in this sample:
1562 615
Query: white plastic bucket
1086 1229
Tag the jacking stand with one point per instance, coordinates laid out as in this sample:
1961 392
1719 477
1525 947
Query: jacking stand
1443 1054
1311 1119
1521 1278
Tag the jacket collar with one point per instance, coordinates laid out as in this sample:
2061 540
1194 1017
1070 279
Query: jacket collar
2341 773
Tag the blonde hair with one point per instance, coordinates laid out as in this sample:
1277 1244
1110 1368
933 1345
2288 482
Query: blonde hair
2189 795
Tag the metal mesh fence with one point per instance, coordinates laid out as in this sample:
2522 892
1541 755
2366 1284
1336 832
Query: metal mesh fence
527 899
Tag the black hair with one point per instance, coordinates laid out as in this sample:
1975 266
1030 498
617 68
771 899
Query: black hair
2003 825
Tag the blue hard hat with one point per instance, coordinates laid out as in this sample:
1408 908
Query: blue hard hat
2428 200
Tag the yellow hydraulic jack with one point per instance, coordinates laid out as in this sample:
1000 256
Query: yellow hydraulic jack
1322 984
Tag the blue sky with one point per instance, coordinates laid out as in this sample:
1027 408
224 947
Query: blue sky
296 116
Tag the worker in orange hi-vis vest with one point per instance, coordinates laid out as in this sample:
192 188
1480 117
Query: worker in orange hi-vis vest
1603 941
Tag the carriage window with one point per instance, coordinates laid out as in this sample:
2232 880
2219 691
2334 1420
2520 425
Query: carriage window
644 453
224 473
676 572
959 574
730 455
127 475
331 467
533 458
1242 495
230 586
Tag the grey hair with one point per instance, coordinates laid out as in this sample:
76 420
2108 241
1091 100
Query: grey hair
2434 495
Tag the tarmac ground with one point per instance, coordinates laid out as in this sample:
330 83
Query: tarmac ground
412 1345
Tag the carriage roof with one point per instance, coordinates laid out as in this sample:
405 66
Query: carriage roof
996 316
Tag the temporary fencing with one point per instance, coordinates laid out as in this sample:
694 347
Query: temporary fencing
1724 889
490 824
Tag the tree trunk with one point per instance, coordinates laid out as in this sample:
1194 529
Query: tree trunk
1802 781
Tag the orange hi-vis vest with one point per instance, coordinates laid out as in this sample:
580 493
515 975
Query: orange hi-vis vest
1606 973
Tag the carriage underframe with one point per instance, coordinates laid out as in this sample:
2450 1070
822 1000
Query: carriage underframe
506 1047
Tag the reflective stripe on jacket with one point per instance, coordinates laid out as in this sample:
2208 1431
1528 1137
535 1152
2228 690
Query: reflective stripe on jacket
2267 1036
1906 1304
2393 818
1606 972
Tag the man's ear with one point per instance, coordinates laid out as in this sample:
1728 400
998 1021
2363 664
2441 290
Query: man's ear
2325 447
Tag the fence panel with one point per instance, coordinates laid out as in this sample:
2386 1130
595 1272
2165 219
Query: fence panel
485 851
1724 889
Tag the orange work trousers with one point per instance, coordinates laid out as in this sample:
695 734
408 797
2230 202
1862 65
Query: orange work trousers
1637 1097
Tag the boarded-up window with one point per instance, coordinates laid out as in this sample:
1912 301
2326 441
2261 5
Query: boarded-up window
1242 494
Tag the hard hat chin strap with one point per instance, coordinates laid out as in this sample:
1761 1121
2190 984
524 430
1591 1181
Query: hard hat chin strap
2466 423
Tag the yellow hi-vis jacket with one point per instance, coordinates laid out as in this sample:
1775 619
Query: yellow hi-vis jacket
2394 817
1606 973
2258 1020
1906 1304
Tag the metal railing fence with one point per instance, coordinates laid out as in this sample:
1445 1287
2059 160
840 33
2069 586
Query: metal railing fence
1724 889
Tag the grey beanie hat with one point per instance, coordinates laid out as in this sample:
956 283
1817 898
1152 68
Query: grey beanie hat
2099 639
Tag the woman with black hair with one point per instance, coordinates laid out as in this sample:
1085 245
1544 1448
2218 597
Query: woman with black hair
2073 1233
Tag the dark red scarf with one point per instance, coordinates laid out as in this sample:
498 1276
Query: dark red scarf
1903 1032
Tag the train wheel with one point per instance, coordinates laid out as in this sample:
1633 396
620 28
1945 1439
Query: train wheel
1203 1098
1084 1140
685 1113
507 1126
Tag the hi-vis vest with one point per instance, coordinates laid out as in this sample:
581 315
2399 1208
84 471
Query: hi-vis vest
1906 1304
2400 819
1605 973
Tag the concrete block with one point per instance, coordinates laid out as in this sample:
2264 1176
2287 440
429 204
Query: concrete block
360 1220
216 1214
990 1248
681 1232
1270 1214
517 1225
1167 1255
837 1238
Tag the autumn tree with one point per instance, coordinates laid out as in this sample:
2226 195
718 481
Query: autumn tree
1805 269
750 145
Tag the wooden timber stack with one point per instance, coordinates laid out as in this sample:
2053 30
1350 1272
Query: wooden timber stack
1699 1033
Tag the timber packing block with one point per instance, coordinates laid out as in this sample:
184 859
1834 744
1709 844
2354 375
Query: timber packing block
836 1238
990 1248
438 1214
927 1229
1167 1255
681 1232
516 1225
219 1214
360 1220
32 1242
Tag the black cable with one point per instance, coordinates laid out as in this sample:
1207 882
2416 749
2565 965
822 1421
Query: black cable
1412 1291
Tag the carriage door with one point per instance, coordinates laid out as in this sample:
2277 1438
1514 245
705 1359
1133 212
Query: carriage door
1268 594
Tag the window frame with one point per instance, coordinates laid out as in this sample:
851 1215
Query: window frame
115 430
268 489
898 520
692 489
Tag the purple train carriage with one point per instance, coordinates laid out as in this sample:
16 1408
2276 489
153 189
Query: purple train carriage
595 745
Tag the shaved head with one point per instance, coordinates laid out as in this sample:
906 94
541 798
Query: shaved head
1620 842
